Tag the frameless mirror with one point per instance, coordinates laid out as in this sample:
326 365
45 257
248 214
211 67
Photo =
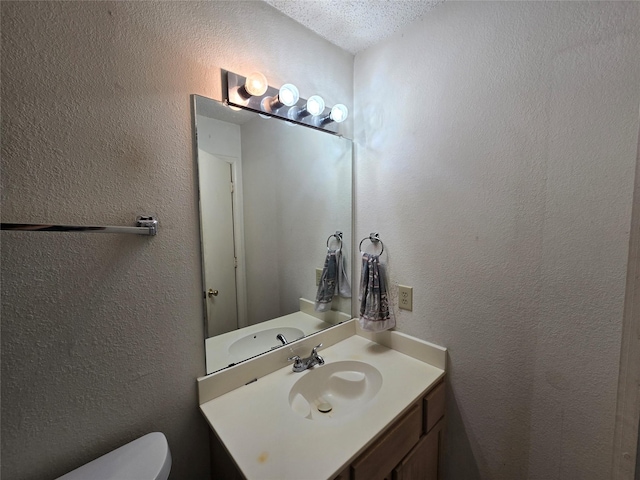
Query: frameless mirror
272 197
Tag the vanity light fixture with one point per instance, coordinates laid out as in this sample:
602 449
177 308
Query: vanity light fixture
254 93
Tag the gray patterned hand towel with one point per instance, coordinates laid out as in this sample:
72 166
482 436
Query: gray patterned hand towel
332 281
375 314
328 280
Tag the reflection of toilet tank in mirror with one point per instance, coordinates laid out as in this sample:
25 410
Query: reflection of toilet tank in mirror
283 190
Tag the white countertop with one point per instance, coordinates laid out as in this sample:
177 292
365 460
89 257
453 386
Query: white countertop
268 440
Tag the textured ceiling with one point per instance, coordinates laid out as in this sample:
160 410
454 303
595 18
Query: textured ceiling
354 24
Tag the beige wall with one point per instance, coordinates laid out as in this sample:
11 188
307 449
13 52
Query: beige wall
498 167
102 336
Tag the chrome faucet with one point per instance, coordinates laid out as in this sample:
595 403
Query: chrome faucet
302 364
281 338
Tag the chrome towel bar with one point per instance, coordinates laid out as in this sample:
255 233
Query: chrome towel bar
145 225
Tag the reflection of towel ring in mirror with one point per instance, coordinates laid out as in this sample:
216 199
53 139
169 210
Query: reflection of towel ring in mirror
374 238
338 236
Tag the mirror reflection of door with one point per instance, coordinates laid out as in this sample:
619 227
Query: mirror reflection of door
216 201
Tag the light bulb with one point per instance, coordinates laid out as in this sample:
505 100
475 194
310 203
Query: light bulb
256 84
288 95
339 113
315 105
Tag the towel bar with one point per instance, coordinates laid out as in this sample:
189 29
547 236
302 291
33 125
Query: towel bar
145 225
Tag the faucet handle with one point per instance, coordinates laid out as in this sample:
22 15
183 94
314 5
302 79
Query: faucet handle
298 363
315 349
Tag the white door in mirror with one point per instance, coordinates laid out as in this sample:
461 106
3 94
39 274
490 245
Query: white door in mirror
216 203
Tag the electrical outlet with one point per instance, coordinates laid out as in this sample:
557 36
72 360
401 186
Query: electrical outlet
405 297
318 275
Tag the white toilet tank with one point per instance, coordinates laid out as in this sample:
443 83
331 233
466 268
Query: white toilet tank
147 458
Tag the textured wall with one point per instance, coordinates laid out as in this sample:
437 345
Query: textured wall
102 336
498 168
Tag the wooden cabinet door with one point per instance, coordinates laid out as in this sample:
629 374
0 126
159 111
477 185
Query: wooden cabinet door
434 404
424 461
384 455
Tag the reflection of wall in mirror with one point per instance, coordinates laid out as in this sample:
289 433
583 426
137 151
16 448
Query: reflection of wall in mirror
297 192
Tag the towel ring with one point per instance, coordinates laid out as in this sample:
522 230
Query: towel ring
338 236
373 238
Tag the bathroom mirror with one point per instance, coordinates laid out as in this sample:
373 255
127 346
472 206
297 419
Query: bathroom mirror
272 197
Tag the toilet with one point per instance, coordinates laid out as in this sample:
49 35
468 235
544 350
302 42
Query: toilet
147 458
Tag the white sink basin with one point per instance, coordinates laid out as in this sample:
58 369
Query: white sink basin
335 390
262 341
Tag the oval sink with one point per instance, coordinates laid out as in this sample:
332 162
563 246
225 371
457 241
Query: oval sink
262 341
335 390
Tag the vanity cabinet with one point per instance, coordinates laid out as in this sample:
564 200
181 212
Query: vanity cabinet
410 449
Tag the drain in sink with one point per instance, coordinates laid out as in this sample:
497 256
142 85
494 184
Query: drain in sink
325 407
